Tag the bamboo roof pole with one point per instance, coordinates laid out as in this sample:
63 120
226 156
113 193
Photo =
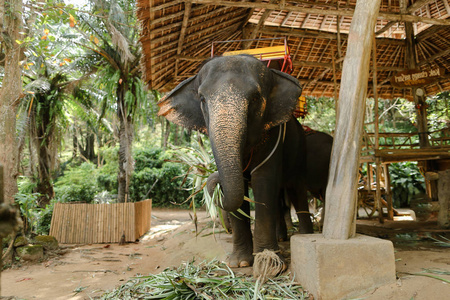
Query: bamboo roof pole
376 129
187 12
411 62
340 220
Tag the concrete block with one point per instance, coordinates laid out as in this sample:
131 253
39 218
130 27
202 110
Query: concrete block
339 269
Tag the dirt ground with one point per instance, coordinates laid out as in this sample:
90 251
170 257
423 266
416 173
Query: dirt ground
84 272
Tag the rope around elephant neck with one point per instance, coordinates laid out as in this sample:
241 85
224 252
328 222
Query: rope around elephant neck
282 131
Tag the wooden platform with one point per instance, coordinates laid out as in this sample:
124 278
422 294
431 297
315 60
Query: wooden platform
398 155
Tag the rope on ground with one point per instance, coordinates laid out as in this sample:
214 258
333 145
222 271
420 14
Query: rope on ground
267 265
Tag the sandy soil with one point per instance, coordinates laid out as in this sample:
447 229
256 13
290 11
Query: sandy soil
83 272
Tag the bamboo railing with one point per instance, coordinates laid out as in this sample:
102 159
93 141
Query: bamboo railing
405 146
78 223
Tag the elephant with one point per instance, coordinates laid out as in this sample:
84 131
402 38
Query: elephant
318 154
246 109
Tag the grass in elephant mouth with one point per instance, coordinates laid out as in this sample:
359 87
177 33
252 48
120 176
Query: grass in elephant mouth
206 280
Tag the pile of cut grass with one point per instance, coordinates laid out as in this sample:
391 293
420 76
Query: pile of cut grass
207 280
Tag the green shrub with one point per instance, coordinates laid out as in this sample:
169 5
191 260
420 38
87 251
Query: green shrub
78 184
107 173
406 182
148 158
160 184
155 177
36 219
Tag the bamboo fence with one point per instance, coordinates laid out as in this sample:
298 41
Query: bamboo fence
78 223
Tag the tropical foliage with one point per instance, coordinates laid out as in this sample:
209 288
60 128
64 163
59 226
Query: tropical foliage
87 129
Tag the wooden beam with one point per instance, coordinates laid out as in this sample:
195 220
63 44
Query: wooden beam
202 17
309 33
334 12
255 31
385 28
187 12
434 57
416 5
223 25
340 220
429 32
447 6
286 18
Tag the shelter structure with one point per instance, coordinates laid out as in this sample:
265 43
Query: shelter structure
331 42
177 36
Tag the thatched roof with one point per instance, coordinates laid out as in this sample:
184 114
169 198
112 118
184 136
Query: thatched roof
177 35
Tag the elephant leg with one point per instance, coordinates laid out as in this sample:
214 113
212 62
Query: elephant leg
266 189
281 221
298 196
242 255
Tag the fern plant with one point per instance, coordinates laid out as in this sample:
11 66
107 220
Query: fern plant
201 165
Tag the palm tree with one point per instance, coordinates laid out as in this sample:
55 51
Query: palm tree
108 34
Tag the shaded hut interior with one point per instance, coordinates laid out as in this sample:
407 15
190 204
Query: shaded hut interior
177 36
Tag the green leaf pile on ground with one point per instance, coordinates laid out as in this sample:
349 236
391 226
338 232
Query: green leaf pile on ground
207 280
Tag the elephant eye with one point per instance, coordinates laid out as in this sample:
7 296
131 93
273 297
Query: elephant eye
202 98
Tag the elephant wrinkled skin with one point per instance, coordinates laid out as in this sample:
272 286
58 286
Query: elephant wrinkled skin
246 110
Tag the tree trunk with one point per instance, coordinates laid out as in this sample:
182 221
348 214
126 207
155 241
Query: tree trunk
125 144
43 141
166 135
74 142
90 147
10 94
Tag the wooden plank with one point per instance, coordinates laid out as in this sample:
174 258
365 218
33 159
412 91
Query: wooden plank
340 220
53 228
136 220
100 224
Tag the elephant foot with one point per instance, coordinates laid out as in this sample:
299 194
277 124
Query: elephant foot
240 259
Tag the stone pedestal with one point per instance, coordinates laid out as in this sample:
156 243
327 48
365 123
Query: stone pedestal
337 269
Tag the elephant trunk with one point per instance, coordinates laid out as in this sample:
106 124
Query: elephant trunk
211 182
230 177
227 133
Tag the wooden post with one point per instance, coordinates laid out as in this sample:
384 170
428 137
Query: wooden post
411 62
375 122
336 101
340 220
444 198
387 188
1 236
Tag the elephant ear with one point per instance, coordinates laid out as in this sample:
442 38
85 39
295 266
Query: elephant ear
182 106
283 98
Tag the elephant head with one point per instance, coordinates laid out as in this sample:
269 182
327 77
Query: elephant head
234 100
